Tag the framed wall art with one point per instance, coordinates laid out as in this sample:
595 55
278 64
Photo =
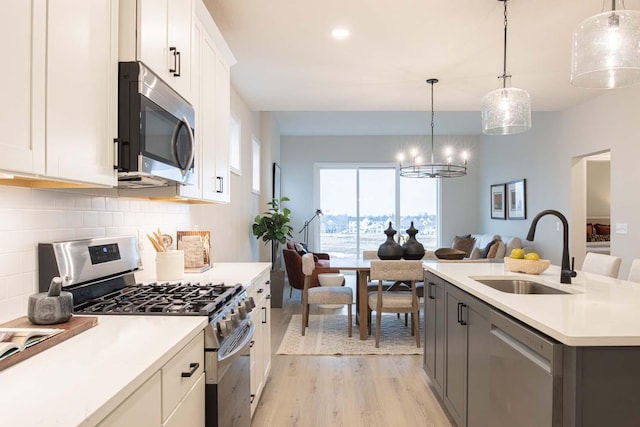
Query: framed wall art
517 199
498 210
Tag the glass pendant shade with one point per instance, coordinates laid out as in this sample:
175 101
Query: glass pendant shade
606 50
506 111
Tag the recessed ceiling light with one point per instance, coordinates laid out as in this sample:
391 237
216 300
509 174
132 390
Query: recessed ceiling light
340 33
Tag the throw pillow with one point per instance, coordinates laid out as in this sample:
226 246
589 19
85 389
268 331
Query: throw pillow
300 249
589 231
485 251
493 250
463 244
602 228
475 253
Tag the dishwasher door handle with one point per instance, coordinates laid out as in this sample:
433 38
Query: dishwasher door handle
522 349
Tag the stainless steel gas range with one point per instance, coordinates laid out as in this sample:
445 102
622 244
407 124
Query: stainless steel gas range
100 275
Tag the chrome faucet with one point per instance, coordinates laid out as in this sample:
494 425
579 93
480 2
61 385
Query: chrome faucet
567 272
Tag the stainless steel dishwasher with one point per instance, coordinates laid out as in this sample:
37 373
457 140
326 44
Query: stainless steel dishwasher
525 375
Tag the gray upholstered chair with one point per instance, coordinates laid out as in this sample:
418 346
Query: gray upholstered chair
322 294
605 265
395 302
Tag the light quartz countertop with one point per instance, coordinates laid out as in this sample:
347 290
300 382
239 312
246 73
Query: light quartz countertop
81 380
599 311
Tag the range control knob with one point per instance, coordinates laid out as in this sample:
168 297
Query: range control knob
226 327
235 319
249 303
241 310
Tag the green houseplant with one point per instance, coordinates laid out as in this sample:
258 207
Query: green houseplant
273 226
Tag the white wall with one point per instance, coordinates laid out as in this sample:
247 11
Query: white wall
299 154
544 156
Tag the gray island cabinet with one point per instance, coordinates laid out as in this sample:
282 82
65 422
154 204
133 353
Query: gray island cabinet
492 369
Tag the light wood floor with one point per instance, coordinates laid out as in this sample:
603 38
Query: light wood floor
367 391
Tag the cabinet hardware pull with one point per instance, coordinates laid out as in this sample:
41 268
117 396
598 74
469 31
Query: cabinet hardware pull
173 51
219 184
252 397
429 288
177 74
261 290
264 311
460 313
193 367
462 321
267 282
116 156
252 343
268 296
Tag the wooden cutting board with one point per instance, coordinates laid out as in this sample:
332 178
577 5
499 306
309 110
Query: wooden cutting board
73 327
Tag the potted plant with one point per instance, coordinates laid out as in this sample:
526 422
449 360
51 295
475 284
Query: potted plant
273 226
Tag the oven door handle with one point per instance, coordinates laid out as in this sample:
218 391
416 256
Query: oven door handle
239 347
192 145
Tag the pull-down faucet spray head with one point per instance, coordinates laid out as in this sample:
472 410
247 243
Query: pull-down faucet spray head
567 270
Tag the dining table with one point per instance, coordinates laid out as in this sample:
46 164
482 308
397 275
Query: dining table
362 268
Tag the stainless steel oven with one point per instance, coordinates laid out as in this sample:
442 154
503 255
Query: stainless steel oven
155 130
100 275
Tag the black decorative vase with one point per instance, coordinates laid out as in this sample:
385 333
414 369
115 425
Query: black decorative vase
412 249
390 249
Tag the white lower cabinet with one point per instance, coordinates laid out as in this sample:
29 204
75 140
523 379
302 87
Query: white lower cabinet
261 351
141 409
173 396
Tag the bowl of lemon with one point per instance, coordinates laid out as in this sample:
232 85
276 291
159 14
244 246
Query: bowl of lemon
529 263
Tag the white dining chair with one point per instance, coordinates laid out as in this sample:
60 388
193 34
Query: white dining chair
634 272
381 301
604 265
323 294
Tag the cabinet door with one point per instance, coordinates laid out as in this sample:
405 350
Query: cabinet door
455 387
141 409
153 42
190 411
81 90
179 23
194 191
478 356
22 27
434 331
223 113
209 124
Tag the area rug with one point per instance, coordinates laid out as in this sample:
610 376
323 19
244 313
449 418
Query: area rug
327 335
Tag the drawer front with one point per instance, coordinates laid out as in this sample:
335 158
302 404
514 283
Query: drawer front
181 373
190 411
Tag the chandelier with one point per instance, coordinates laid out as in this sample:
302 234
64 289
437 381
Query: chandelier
605 51
506 110
417 169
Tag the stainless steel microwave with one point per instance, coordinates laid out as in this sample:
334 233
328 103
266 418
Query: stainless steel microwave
155 131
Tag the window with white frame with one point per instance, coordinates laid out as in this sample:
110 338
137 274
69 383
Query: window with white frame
369 197
256 164
234 144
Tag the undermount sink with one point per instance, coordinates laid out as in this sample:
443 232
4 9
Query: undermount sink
520 286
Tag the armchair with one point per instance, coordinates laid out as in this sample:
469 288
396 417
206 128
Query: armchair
293 265
321 259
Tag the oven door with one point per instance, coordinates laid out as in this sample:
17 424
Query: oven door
228 377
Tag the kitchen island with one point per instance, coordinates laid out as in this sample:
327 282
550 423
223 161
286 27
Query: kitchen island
566 359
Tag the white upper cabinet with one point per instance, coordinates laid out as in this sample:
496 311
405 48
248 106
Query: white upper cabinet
158 33
81 103
62 81
22 27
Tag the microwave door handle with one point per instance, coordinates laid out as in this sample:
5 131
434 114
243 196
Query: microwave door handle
174 145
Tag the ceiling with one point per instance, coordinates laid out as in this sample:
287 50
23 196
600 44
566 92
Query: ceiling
287 60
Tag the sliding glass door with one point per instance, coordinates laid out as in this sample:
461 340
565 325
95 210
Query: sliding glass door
359 201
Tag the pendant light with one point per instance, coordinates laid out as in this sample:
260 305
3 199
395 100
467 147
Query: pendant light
416 169
506 110
606 50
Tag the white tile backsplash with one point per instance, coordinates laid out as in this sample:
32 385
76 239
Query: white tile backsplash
29 216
